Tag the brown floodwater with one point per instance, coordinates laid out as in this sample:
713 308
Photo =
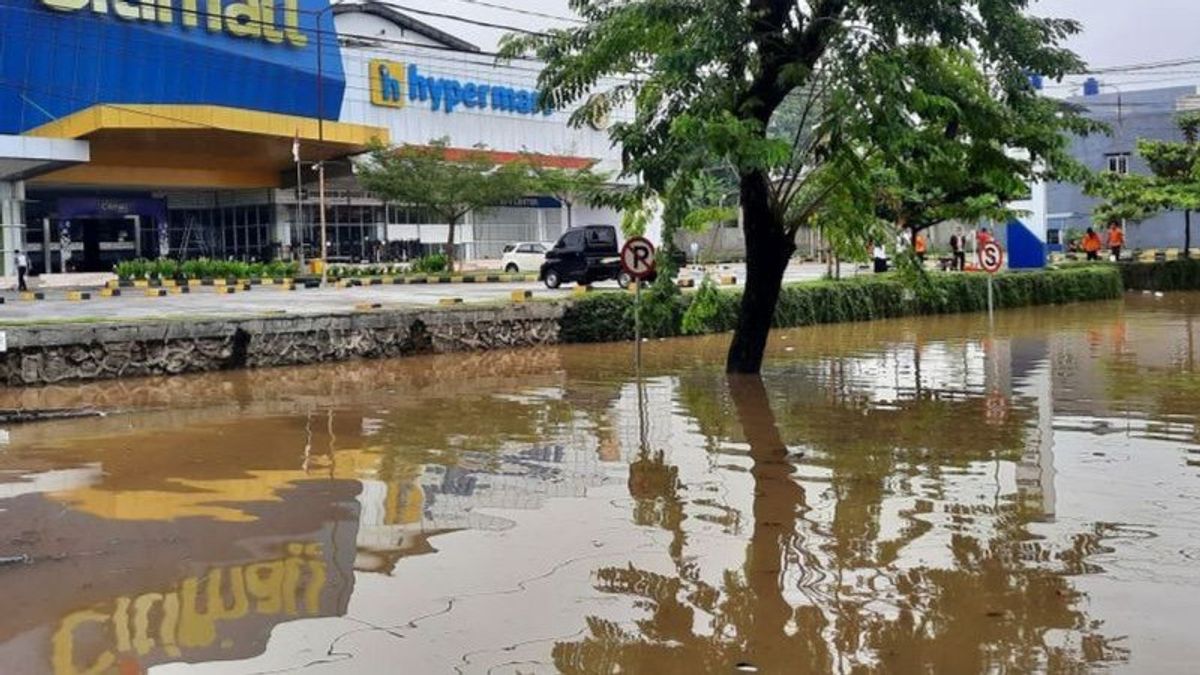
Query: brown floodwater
910 496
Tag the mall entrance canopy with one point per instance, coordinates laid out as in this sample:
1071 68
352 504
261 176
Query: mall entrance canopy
23 158
203 146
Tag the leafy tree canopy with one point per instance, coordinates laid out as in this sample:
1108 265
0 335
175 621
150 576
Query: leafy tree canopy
446 182
700 82
1173 183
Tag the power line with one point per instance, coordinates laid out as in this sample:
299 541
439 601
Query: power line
526 12
473 22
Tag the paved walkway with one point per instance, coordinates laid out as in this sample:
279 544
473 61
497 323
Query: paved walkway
204 302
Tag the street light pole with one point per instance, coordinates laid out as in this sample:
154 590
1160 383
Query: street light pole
321 137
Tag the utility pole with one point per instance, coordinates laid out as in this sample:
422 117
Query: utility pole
324 240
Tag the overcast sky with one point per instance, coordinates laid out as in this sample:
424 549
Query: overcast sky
1116 32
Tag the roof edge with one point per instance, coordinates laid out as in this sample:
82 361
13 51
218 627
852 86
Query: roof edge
389 13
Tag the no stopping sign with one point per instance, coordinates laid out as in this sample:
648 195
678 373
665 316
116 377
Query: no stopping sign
991 257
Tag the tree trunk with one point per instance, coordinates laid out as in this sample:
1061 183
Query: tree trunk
450 245
1187 234
768 250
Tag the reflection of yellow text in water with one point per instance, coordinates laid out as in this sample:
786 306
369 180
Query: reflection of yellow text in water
185 498
189 616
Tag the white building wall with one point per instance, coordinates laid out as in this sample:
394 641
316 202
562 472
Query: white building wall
418 123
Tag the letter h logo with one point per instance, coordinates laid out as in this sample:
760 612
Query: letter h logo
387 83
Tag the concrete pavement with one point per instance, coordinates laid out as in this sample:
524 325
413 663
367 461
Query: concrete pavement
205 302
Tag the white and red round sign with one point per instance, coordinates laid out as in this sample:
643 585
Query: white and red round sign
637 258
991 257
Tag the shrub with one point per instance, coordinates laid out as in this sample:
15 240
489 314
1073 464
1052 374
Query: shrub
599 317
709 311
435 263
1177 275
606 317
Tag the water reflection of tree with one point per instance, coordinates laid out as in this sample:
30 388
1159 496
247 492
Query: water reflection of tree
988 607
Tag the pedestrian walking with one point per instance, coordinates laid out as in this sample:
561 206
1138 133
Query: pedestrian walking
958 248
22 261
1092 244
1116 239
879 253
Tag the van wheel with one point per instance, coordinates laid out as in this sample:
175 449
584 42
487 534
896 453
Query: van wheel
552 279
512 268
624 280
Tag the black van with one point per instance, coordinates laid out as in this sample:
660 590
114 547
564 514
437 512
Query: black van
584 255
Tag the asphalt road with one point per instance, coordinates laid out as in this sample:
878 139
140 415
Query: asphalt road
204 302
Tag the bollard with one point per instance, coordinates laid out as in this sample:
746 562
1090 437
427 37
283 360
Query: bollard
141 283
450 301
169 283
521 296
179 290
78 296
155 292
30 296
729 280
225 290
110 292
266 281
367 306
195 283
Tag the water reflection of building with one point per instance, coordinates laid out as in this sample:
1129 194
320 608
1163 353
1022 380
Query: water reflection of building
107 594
397 519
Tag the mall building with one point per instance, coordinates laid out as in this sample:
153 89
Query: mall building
142 128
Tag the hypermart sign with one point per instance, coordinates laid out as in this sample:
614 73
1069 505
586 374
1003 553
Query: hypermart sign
268 20
394 85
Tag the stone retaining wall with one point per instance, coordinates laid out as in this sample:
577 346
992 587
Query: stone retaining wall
73 352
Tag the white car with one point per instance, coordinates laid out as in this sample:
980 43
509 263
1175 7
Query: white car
526 256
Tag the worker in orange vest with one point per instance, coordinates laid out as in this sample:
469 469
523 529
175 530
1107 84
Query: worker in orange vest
1092 244
1116 239
920 247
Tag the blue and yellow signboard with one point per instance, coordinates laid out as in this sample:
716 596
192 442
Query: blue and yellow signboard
393 83
58 57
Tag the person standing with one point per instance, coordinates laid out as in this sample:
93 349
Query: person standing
1092 244
1116 239
958 248
920 246
879 253
22 261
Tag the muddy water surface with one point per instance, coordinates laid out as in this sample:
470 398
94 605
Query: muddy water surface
908 496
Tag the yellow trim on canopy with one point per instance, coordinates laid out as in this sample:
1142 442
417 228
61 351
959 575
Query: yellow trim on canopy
141 116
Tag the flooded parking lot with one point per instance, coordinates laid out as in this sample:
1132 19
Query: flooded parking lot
909 496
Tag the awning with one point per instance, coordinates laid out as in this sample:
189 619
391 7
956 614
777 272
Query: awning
198 145
23 157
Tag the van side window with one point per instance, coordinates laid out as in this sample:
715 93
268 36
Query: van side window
572 239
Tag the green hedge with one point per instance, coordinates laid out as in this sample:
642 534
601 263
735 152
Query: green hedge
202 268
607 317
1177 275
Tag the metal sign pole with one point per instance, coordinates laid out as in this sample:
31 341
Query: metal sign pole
991 307
637 324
